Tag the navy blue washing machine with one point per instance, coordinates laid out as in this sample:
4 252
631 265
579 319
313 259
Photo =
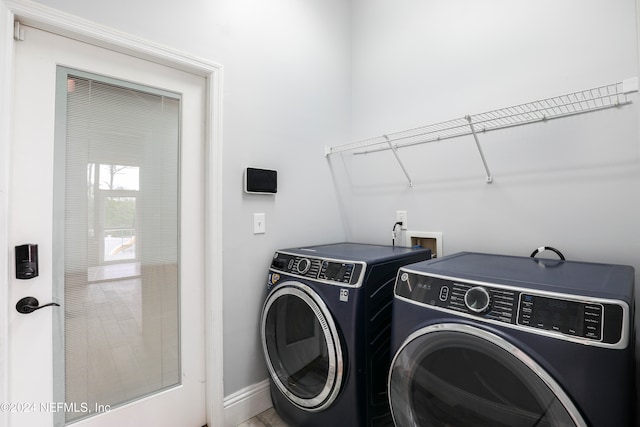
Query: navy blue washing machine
502 341
326 332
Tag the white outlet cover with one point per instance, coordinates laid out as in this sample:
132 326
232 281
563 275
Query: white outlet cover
402 216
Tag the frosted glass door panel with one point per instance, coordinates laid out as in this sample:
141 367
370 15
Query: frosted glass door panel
116 189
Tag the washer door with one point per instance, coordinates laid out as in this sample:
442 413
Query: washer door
460 375
301 346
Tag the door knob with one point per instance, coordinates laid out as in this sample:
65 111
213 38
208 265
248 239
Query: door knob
29 304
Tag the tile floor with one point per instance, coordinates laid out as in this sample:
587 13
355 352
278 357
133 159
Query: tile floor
268 418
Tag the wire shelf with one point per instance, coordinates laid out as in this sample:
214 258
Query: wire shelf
598 98
583 101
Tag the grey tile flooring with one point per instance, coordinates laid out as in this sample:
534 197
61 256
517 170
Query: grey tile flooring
268 418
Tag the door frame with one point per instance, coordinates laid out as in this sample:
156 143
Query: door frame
71 26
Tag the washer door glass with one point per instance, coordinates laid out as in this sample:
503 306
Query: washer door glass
301 346
458 375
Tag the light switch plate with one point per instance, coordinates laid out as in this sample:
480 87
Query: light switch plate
259 225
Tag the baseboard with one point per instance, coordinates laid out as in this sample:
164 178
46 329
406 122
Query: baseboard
246 403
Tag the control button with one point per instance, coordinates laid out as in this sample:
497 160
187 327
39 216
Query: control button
444 293
477 299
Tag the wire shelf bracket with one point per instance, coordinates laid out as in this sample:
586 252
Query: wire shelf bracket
583 101
395 153
484 161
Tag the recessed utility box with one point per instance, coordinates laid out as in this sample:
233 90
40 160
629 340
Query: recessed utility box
426 239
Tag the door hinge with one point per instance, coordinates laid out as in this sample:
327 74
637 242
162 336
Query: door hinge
18 31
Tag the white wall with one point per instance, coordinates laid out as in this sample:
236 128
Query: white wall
286 89
571 183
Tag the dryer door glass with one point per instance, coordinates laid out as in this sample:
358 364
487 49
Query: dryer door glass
301 346
455 375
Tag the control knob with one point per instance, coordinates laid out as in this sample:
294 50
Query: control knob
477 299
303 265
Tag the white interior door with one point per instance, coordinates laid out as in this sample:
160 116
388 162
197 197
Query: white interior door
126 345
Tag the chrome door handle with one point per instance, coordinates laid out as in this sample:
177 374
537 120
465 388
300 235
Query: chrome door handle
29 304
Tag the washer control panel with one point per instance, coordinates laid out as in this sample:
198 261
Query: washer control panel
560 315
326 270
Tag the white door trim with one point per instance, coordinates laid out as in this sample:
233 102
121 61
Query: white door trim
71 26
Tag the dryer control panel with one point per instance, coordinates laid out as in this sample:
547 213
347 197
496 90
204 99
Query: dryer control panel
577 318
337 272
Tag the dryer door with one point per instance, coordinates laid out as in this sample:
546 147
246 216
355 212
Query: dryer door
460 375
302 347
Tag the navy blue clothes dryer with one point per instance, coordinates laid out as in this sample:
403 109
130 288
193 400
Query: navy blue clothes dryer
326 332
501 341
